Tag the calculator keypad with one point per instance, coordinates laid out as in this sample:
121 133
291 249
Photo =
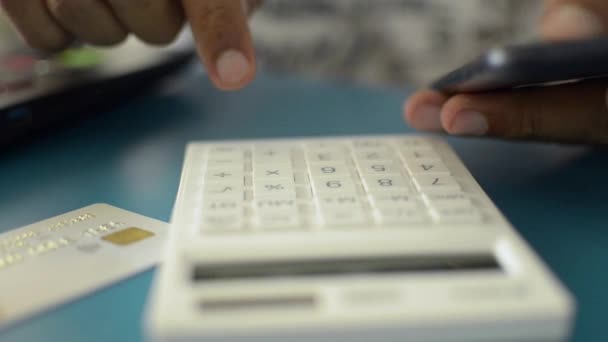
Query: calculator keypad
345 184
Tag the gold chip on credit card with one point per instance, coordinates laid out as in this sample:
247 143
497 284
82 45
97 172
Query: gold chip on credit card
128 236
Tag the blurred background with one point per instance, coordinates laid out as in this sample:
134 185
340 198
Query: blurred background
386 42
378 42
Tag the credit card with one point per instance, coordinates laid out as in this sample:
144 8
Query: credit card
68 256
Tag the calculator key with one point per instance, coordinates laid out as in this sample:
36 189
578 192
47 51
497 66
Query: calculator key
418 154
379 168
279 189
399 216
223 189
384 183
336 185
457 215
326 155
222 204
272 171
343 218
275 209
225 175
374 155
394 199
447 199
432 183
271 155
340 201
427 167
328 169
276 220
270 204
223 159
218 163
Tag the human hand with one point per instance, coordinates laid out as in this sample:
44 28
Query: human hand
567 113
219 26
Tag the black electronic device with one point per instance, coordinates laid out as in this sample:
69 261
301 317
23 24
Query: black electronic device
531 65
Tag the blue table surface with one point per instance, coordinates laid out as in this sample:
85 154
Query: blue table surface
131 157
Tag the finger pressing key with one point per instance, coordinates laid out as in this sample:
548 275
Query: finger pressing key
223 40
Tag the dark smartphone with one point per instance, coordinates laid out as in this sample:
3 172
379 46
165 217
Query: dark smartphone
533 65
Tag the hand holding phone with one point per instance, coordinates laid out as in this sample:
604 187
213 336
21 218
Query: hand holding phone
575 112
548 91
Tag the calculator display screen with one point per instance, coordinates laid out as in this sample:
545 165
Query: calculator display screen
346 266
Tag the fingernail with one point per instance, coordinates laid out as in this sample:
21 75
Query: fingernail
571 22
469 123
427 118
232 67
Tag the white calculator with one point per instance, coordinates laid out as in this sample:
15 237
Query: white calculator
383 238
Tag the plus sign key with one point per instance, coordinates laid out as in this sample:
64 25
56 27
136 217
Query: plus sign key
224 175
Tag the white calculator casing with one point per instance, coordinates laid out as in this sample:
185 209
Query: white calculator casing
429 281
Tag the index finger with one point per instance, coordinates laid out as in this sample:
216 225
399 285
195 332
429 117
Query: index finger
223 40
